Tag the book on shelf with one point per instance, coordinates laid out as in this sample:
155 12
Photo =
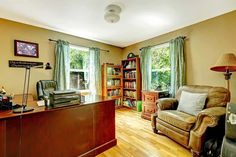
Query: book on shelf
131 94
129 103
118 102
130 74
130 84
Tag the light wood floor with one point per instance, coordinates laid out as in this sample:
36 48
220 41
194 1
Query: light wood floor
136 139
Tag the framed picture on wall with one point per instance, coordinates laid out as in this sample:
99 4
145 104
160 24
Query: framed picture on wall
26 49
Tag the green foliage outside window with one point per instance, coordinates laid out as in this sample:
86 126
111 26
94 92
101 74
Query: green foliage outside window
160 68
79 59
79 65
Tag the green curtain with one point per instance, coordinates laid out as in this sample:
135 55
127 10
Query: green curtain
178 65
62 64
146 67
95 71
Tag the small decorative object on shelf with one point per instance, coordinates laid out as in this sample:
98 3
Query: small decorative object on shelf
131 81
131 55
112 81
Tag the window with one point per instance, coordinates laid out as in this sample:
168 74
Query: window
160 67
79 68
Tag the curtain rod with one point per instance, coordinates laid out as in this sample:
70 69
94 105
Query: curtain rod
184 37
78 45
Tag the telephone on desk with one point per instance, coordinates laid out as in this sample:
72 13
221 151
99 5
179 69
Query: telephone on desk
5 102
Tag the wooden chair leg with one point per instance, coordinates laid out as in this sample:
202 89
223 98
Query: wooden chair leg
153 122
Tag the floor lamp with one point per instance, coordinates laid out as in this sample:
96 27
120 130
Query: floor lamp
227 64
24 107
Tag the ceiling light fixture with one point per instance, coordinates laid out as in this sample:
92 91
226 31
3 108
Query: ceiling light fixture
112 13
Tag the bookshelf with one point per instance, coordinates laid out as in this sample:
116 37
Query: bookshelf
112 82
131 82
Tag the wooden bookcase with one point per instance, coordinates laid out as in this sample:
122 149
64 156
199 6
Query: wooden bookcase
131 82
112 81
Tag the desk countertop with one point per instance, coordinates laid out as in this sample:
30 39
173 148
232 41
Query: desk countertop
89 100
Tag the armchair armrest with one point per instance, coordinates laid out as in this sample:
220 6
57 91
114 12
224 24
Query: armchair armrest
209 117
206 118
167 104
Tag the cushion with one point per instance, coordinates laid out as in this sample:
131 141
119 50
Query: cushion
191 103
178 119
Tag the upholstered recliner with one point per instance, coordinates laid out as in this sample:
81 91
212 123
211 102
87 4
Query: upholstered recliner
189 130
44 87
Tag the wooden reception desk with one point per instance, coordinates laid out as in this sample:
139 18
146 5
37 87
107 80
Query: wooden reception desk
79 130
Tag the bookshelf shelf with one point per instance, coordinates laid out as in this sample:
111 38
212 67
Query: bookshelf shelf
127 69
116 96
130 79
112 82
130 89
126 97
113 87
114 76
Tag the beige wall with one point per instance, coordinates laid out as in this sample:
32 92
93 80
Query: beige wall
205 42
12 78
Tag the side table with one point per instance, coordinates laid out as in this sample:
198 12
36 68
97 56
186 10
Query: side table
149 102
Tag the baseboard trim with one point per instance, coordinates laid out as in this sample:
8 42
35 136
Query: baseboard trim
99 149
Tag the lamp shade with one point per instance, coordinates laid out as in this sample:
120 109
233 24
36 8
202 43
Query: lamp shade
227 62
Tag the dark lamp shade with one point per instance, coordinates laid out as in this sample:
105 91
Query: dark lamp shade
48 66
227 62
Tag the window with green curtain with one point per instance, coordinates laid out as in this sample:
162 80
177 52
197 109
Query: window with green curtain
163 66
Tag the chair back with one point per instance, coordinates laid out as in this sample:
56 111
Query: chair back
44 87
217 96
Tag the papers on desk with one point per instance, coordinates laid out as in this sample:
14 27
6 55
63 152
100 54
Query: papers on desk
41 103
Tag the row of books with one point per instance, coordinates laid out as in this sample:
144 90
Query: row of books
118 102
131 94
114 92
66 97
113 82
130 74
113 71
130 84
129 103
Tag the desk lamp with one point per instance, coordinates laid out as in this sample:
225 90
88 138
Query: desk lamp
227 64
24 107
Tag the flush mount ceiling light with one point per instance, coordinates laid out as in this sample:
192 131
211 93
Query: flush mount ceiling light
112 13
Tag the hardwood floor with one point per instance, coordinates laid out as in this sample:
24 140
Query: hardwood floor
136 139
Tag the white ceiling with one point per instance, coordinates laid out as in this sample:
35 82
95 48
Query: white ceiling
140 19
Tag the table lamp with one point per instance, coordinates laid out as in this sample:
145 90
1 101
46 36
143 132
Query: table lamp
227 64
24 107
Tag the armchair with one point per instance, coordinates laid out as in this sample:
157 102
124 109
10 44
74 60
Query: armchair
186 129
44 87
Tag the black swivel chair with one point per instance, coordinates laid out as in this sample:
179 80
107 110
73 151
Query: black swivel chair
44 87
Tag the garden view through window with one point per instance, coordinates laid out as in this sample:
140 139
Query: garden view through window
161 67
79 68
